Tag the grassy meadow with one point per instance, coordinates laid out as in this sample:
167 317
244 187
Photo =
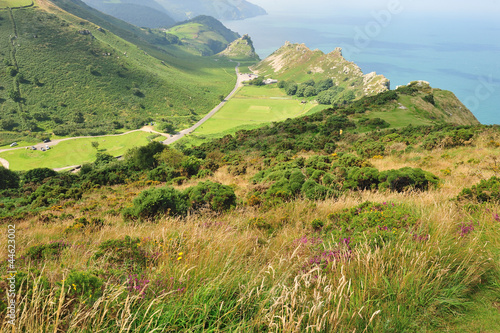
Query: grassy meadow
74 152
251 107
270 267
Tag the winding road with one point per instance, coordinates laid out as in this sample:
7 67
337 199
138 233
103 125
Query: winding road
239 83
170 138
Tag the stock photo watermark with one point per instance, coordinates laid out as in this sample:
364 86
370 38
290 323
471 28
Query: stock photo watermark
11 271
485 88
381 19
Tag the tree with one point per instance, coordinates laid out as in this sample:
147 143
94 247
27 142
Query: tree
291 88
309 91
95 145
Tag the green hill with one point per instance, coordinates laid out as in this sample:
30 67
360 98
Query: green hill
82 72
241 49
296 62
203 35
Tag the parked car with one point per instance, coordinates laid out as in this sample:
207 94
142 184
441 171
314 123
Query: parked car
33 148
46 140
13 144
43 149
47 146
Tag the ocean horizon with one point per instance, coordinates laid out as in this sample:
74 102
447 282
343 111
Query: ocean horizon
460 54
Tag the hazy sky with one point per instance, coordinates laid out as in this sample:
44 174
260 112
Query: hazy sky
477 7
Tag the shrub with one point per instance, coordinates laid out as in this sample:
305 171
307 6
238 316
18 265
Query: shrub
191 165
46 251
314 191
144 157
376 221
124 253
83 285
8 179
38 175
363 178
297 179
317 224
152 202
485 191
163 173
217 196
406 179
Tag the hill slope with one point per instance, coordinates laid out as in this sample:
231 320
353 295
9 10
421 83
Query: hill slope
62 72
242 48
220 9
299 63
203 35
142 13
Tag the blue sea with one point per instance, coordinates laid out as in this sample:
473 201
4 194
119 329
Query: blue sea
460 54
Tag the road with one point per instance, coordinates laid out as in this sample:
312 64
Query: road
239 83
170 138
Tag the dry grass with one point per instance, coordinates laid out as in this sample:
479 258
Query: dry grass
242 278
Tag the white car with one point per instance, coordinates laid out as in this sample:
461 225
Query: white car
13 144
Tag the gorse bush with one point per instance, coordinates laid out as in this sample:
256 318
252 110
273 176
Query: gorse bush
378 222
8 179
216 196
488 190
38 175
156 201
407 178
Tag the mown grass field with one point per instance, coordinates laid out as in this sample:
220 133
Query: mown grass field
74 152
14 3
250 108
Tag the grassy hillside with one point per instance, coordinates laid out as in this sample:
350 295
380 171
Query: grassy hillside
65 74
417 104
297 63
241 49
406 240
203 35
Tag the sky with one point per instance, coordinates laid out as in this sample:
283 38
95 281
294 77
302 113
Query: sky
442 7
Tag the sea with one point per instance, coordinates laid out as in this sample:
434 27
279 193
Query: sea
456 53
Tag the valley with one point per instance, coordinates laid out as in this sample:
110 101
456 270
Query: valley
182 184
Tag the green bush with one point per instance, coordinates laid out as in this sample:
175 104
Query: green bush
163 173
8 179
84 285
46 251
485 191
38 175
124 253
314 191
141 158
407 178
377 222
217 196
191 165
362 178
155 201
